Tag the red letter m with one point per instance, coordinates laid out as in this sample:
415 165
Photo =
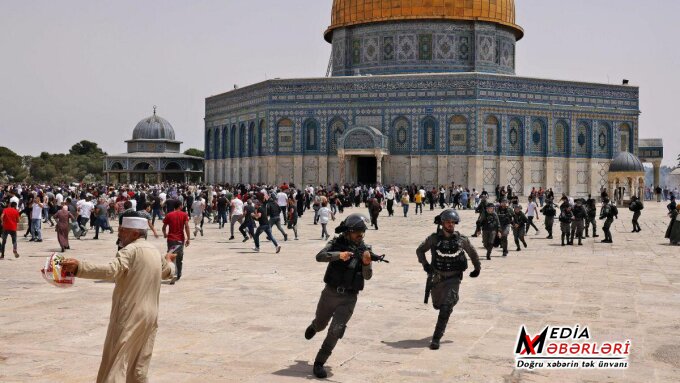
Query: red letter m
531 346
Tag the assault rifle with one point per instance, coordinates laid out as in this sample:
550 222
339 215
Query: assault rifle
358 255
428 287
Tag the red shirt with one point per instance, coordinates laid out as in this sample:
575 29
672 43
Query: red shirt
9 223
176 221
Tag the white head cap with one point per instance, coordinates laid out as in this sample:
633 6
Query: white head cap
135 223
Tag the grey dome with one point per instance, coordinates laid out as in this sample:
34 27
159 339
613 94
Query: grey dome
626 162
153 128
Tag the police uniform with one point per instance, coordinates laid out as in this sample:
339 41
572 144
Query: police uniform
344 280
491 226
577 227
591 211
636 207
607 213
506 217
448 256
566 217
519 227
481 210
549 212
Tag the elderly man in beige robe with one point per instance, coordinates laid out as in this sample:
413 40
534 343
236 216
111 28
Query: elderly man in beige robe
137 271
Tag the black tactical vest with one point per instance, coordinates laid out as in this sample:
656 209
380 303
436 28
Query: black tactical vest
447 255
504 216
345 274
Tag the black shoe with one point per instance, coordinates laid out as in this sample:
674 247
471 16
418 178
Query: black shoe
38 240
310 332
245 239
434 345
634 231
31 240
285 237
95 237
319 371
595 236
518 248
232 237
111 231
579 243
549 237
505 253
525 244
474 235
488 256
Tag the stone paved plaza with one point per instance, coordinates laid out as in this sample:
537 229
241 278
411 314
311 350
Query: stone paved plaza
238 316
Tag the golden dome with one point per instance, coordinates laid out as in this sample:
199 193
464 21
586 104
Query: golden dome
353 12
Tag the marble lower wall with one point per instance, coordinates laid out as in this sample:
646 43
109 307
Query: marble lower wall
575 177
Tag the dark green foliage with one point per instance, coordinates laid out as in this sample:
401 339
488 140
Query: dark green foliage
194 152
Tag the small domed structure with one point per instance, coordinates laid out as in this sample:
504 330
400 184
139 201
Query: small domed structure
626 162
153 128
673 179
153 155
626 177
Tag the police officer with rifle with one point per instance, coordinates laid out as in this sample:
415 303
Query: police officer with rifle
445 271
349 264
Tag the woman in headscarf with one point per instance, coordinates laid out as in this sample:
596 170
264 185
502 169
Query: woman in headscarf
64 217
673 232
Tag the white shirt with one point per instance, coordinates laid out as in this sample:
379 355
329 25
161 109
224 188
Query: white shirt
162 197
59 198
134 203
86 208
236 207
14 199
531 209
281 199
324 215
197 207
422 193
36 213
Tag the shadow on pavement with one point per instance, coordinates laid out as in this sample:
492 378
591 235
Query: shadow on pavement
413 343
301 369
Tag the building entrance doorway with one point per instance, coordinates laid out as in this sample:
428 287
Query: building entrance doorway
367 170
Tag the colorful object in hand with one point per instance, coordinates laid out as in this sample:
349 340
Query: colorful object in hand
53 273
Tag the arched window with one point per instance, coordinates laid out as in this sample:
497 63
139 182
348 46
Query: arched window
582 138
515 136
251 139
336 130
225 142
491 134
260 137
311 131
603 138
242 141
232 142
400 135
537 137
458 134
284 136
216 143
116 166
560 137
624 133
429 141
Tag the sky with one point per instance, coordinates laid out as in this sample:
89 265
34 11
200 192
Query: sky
81 69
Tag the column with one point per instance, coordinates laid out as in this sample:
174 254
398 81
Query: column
657 173
550 175
341 163
378 172
476 172
443 170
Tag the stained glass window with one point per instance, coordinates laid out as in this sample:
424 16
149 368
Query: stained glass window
400 142
560 133
514 136
337 128
537 137
429 137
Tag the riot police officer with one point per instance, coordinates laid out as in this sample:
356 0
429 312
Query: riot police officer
491 228
481 210
349 264
549 212
577 226
636 207
608 213
519 227
445 271
591 210
566 218
506 217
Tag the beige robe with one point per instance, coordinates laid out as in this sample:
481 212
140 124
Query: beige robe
137 271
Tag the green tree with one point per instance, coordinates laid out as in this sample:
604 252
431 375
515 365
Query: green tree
194 152
12 165
86 148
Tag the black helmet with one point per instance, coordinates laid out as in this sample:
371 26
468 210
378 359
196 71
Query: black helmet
447 215
353 222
